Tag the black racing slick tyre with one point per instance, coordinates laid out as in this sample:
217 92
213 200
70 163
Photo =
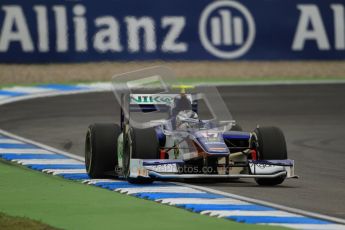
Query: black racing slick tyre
139 144
270 145
101 150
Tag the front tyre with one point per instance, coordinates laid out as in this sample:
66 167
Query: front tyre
139 144
270 144
101 150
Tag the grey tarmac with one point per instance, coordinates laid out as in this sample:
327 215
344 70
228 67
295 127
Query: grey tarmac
311 116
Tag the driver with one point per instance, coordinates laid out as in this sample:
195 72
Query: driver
181 102
187 119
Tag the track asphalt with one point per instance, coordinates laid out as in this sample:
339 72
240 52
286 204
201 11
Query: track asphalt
311 116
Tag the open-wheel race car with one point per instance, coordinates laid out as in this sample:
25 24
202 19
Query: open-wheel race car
169 132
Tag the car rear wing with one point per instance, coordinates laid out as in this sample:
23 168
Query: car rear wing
146 103
155 102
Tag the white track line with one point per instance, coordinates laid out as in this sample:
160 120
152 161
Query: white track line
311 226
3 97
221 214
265 203
39 145
63 171
28 89
175 201
158 189
12 99
10 141
25 151
94 181
47 161
106 86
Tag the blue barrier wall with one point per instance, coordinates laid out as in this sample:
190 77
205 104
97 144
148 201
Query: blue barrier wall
76 31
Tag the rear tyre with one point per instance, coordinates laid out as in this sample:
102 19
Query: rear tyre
101 150
270 145
140 144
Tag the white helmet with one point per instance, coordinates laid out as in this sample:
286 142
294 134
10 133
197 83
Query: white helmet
187 119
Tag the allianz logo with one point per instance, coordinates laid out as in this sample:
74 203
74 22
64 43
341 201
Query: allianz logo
226 30
129 34
230 29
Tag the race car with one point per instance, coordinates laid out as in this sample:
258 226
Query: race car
164 136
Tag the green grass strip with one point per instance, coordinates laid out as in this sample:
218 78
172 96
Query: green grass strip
72 205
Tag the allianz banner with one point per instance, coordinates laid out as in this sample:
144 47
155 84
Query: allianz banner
75 31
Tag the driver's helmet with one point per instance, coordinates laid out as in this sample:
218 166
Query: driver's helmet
187 119
181 103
